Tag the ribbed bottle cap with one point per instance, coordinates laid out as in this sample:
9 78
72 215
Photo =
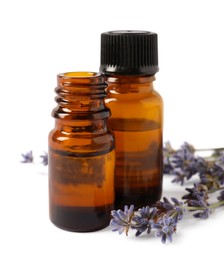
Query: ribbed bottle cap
129 52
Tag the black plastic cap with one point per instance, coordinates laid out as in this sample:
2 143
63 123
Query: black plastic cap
129 52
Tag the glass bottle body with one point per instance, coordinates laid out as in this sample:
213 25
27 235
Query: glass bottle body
81 155
137 122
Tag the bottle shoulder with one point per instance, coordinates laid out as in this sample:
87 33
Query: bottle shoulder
132 92
147 106
157 96
81 144
152 97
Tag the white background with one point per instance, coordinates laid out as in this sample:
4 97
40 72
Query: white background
38 40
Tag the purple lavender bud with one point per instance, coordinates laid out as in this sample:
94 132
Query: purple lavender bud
27 157
122 219
165 227
204 214
44 158
221 196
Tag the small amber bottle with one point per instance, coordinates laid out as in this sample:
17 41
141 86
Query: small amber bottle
129 60
81 154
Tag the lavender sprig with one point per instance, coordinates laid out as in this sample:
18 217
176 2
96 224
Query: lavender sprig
144 220
181 163
165 228
221 196
44 158
162 218
29 158
122 220
197 199
184 163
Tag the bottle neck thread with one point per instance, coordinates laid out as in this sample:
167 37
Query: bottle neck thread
80 96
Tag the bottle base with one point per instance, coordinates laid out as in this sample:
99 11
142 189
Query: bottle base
80 219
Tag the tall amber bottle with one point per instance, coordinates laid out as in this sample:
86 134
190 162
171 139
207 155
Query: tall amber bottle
81 154
129 60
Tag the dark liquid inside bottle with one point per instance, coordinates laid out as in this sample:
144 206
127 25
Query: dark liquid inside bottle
79 182
81 219
138 171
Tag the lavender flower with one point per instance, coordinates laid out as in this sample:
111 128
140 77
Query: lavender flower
27 157
122 219
183 163
188 147
143 222
167 166
210 180
198 192
201 206
197 201
221 196
204 214
219 163
175 209
180 176
44 158
165 227
168 152
211 173
162 218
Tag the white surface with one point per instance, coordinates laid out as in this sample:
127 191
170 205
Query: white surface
38 40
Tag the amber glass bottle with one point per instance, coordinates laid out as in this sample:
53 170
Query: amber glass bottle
81 154
129 60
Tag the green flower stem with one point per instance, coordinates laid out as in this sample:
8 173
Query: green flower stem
214 190
212 206
129 223
209 149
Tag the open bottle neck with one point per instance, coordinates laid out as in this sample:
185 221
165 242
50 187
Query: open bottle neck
80 96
